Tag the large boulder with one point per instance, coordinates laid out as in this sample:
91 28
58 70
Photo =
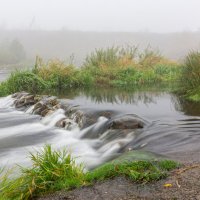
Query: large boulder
126 122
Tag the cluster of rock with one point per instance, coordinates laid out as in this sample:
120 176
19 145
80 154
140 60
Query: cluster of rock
45 105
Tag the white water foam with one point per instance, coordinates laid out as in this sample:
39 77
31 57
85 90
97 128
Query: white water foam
28 136
6 102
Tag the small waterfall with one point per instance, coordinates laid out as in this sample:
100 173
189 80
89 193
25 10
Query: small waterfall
91 146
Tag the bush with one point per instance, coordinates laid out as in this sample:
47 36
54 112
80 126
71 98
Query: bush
191 71
23 81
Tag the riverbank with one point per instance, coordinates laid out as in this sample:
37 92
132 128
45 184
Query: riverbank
102 133
115 67
182 184
112 67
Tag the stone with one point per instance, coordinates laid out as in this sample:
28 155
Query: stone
126 122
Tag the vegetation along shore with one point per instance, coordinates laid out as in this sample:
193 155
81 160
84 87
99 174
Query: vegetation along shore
55 170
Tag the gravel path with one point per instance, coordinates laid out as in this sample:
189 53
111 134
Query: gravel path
184 184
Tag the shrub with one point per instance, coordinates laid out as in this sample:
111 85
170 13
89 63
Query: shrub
23 81
190 77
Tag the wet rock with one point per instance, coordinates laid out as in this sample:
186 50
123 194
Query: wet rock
18 95
106 114
50 101
45 112
39 108
25 100
46 105
66 123
126 122
79 118
135 155
75 116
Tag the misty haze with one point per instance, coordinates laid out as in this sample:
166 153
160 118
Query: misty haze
63 44
99 99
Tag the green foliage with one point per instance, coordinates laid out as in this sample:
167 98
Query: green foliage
140 171
191 71
22 81
112 67
3 89
51 171
120 67
111 57
55 170
60 75
167 165
190 76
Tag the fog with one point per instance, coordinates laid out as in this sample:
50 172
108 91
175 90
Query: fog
60 28
101 15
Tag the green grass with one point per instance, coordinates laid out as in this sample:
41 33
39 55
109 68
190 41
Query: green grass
122 67
22 81
138 171
55 170
51 171
190 76
111 67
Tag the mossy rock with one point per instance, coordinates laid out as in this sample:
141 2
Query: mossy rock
137 155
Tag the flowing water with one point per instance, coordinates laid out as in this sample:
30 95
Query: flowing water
4 73
172 127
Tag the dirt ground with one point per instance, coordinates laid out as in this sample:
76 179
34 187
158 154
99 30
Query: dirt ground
182 184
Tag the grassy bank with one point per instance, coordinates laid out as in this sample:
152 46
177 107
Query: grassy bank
190 76
55 170
111 67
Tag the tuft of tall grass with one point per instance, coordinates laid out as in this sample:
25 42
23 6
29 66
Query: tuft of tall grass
190 77
57 73
111 57
51 171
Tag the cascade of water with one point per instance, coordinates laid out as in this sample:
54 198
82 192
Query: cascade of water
89 146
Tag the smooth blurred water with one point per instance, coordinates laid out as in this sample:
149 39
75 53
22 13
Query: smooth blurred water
172 127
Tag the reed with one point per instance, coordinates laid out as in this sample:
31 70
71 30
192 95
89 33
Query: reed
190 76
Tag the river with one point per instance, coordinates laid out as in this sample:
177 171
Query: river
172 127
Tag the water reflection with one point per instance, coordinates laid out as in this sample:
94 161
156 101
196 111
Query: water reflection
114 95
172 128
133 96
187 107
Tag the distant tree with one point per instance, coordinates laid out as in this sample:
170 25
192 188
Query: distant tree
17 51
11 52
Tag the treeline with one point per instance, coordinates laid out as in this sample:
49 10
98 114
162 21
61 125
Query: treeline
11 52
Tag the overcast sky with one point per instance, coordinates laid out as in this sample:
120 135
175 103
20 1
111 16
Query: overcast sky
101 15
